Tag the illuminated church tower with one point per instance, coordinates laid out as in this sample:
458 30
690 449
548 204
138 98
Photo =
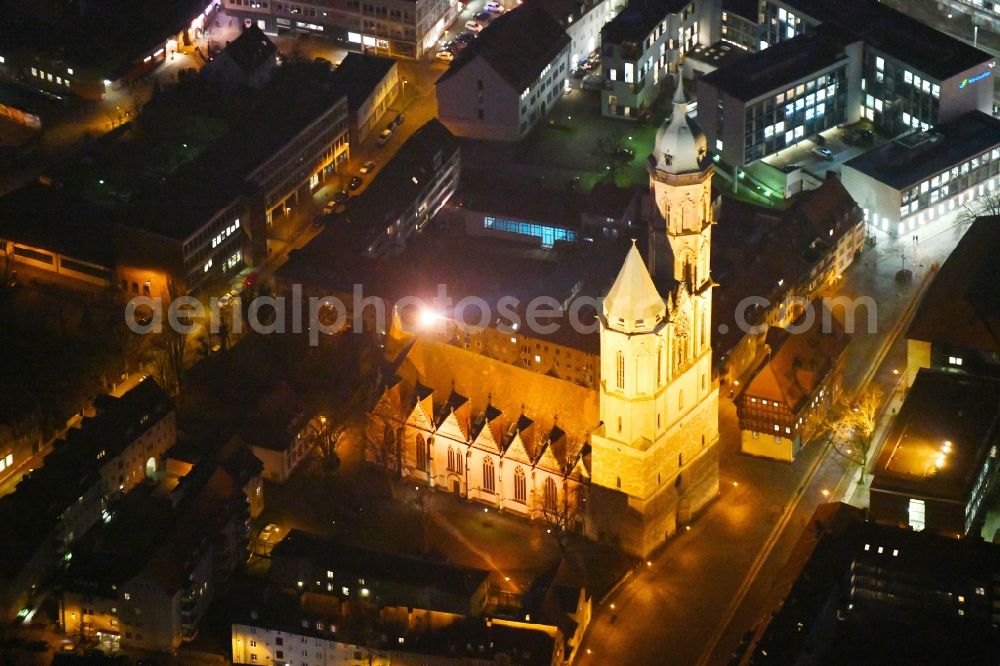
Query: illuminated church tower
658 401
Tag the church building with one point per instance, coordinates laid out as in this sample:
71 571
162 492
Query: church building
627 460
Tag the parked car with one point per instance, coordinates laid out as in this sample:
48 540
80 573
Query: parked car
593 82
483 16
397 121
329 207
341 198
823 153
354 183
473 26
579 73
625 154
269 531
367 167
494 7
445 55
384 137
466 37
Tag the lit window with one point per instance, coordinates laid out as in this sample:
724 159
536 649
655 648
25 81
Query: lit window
868 546
955 360
916 514
329 574
879 64
895 552
980 591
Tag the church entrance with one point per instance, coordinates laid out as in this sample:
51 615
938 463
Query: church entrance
456 487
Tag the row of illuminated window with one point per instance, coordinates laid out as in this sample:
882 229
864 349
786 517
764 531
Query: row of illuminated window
6 462
49 76
548 235
921 84
226 233
946 178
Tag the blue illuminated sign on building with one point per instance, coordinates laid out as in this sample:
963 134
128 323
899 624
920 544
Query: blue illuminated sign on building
977 77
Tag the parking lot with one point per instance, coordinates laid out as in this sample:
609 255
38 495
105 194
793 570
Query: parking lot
837 141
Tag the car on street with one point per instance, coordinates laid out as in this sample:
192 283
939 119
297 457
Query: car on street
329 207
445 55
397 121
269 531
579 73
593 82
341 198
473 26
367 167
482 16
354 183
384 136
823 153
225 299
494 7
466 37
625 155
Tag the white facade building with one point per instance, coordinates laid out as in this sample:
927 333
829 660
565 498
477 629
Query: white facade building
508 79
922 176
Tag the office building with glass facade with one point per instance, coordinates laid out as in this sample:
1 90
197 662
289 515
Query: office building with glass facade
774 99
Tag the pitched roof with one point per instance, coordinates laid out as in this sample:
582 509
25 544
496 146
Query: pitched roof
800 360
633 296
962 306
517 46
493 385
251 49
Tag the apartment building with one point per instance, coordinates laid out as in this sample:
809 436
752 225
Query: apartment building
641 47
112 452
505 82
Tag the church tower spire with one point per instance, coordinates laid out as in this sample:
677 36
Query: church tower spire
659 403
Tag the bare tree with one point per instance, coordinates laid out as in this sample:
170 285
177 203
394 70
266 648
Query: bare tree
384 433
983 206
166 356
324 437
851 427
7 267
562 514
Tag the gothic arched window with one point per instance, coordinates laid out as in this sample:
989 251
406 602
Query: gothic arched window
551 495
520 486
620 370
451 459
489 480
659 366
421 453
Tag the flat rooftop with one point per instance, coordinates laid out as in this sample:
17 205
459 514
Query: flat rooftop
181 162
347 559
961 308
776 67
108 36
915 157
897 35
941 436
639 19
